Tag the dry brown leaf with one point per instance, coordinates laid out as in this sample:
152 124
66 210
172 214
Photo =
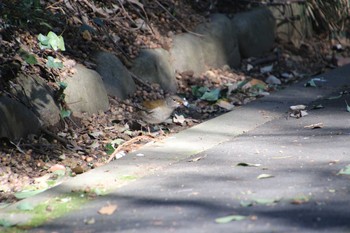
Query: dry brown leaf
197 158
314 126
108 209
57 167
224 104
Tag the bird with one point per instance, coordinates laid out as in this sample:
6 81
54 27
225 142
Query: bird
158 111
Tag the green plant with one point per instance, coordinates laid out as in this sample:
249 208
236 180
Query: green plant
51 41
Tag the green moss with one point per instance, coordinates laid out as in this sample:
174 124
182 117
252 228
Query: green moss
51 209
11 230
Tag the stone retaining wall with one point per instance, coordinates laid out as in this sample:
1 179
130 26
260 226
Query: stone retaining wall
222 41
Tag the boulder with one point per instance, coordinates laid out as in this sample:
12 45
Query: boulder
16 120
219 42
116 78
186 53
295 30
256 31
33 92
85 92
153 65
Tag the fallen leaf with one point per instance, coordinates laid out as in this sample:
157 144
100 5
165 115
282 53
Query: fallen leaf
334 97
310 83
262 201
273 80
230 218
266 69
297 107
347 107
254 83
314 126
197 158
303 113
300 200
248 164
287 75
224 104
345 171
264 176
57 167
318 106
108 209
249 67
89 221
212 95
180 119
246 203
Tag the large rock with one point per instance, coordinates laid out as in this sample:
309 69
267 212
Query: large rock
219 42
36 95
293 23
186 53
153 65
256 31
85 92
116 78
16 120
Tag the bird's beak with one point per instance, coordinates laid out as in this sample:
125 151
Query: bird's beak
185 102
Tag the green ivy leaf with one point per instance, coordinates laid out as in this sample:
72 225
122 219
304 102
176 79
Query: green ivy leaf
54 63
259 87
62 85
345 171
44 41
242 83
262 201
212 95
56 42
109 149
51 41
31 60
264 176
199 91
65 113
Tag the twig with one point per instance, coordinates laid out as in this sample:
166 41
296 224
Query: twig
138 79
146 19
62 140
121 147
17 146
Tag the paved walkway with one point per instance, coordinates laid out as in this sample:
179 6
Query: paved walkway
190 181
